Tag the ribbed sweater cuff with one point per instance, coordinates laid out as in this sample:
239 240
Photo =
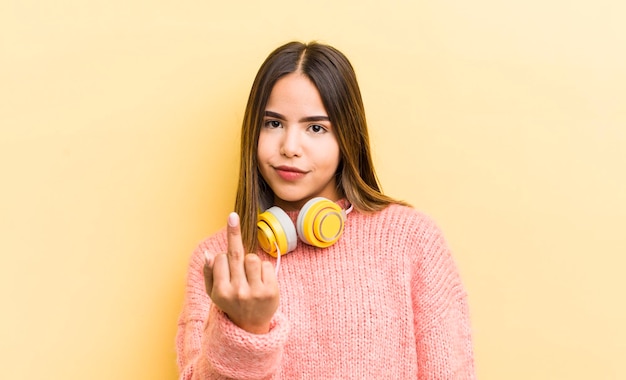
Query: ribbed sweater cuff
236 353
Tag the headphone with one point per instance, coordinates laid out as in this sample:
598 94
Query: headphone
320 223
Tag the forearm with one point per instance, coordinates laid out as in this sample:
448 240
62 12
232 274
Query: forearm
218 349
445 349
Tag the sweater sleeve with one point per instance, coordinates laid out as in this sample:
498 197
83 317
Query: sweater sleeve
210 346
441 313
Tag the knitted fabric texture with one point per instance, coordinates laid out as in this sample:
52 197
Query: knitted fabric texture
385 302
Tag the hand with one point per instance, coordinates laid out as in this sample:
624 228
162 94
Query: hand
242 285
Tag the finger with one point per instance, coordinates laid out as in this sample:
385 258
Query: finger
268 274
252 265
221 274
235 250
235 244
208 272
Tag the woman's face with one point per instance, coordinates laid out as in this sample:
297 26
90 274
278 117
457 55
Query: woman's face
298 153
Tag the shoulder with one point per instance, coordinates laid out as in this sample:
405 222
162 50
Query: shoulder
212 245
404 218
216 242
405 227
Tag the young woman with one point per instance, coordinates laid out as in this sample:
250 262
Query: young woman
317 274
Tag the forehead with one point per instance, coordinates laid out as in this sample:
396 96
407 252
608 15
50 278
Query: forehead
295 93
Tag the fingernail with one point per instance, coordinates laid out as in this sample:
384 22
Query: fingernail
233 219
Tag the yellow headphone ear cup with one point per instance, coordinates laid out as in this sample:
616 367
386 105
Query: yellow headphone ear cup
266 238
320 222
276 230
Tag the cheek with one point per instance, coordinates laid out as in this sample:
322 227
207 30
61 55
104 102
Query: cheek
331 158
261 159
262 150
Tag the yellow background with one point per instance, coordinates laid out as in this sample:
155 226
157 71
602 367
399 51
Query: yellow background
119 126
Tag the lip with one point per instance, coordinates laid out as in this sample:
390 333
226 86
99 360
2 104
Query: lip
289 173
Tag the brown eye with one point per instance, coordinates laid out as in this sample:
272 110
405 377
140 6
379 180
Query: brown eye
316 128
273 124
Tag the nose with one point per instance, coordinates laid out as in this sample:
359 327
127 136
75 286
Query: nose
291 145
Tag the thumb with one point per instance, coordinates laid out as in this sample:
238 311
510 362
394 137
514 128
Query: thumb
208 273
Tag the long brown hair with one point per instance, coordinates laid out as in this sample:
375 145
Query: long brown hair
335 79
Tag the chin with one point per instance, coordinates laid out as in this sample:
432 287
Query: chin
293 200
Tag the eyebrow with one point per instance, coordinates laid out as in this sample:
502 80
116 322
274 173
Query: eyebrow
303 120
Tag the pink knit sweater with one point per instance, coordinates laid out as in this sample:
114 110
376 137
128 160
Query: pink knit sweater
385 302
